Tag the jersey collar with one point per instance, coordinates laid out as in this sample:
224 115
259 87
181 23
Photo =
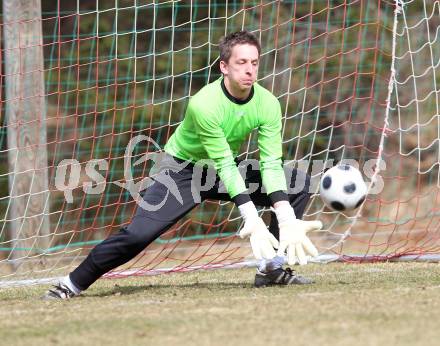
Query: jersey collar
234 99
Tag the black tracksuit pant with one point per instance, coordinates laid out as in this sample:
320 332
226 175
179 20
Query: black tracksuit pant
147 225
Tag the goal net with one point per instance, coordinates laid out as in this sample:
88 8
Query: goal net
91 89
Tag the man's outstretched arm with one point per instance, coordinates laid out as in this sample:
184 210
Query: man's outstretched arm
215 144
293 232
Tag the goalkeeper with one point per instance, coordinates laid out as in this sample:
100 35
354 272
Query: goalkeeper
217 120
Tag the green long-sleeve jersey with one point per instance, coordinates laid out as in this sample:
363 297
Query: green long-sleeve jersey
216 124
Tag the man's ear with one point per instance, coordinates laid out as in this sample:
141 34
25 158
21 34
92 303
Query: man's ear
223 67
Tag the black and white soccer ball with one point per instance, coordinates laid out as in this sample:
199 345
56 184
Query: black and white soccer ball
342 188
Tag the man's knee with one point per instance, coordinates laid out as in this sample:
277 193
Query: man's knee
139 235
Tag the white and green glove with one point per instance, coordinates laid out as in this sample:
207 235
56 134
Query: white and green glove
262 241
293 235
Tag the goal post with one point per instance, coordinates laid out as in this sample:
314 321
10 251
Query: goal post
357 80
24 111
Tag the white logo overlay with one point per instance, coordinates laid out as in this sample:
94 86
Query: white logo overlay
202 174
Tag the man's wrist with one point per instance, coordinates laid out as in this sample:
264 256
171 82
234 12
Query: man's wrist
278 196
281 204
248 210
241 198
284 212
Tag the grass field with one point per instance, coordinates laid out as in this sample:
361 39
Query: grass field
350 304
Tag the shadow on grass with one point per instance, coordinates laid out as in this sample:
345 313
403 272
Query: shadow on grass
131 289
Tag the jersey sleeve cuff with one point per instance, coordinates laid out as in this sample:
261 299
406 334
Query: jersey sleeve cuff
241 198
278 196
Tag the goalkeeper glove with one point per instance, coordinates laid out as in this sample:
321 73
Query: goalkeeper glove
293 235
262 241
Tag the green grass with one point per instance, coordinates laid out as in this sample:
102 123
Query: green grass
350 304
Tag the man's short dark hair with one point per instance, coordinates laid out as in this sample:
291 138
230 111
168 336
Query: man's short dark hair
240 37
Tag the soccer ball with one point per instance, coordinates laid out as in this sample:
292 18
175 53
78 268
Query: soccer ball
342 188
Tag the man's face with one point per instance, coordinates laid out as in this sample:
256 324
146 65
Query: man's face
242 67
